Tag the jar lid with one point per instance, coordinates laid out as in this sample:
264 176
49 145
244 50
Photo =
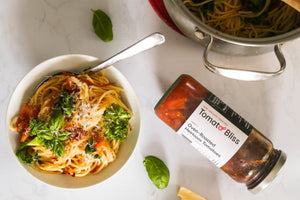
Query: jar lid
272 174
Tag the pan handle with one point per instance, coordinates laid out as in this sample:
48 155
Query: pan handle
246 75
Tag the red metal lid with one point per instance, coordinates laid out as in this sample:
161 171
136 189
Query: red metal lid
160 9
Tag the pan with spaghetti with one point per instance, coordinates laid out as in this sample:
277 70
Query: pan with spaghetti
74 130
237 28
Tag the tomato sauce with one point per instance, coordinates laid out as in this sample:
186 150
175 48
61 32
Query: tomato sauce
27 113
78 132
253 161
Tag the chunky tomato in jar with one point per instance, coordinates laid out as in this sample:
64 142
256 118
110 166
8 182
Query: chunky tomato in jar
219 133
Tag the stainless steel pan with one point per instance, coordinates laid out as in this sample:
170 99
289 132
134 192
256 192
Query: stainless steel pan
223 43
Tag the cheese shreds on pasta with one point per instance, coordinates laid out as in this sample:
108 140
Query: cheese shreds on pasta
92 94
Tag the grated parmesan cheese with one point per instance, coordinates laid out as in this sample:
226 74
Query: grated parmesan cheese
88 115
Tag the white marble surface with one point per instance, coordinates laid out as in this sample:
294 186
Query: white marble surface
33 31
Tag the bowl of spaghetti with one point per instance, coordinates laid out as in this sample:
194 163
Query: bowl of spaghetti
237 28
71 129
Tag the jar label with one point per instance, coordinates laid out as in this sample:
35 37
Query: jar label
215 130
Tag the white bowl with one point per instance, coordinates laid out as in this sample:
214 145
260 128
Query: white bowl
25 90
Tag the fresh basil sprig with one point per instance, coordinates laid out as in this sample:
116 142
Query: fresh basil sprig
48 134
115 120
157 171
102 25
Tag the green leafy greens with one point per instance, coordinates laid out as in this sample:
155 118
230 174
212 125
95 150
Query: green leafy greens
26 157
255 6
90 149
257 3
157 171
66 102
48 134
205 8
102 25
115 120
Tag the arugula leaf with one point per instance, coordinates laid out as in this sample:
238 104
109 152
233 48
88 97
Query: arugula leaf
66 102
115 120
90 149
25 156
102 25
157 171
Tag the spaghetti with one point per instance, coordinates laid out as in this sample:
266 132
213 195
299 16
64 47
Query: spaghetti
250 19
73 124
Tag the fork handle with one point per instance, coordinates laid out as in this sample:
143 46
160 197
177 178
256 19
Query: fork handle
140 46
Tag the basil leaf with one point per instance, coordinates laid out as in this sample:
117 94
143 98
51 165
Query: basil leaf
58 148
157 171
56 120
49 134
37 141
46 134
102 25
49 144
35 126
63 135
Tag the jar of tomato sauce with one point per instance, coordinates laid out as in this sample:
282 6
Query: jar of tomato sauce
220 134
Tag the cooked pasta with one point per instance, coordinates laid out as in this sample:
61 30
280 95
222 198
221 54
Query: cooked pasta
250 19
73 124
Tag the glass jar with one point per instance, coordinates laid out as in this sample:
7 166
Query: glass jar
220 134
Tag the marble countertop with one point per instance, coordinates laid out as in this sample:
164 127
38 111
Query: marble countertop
34 31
